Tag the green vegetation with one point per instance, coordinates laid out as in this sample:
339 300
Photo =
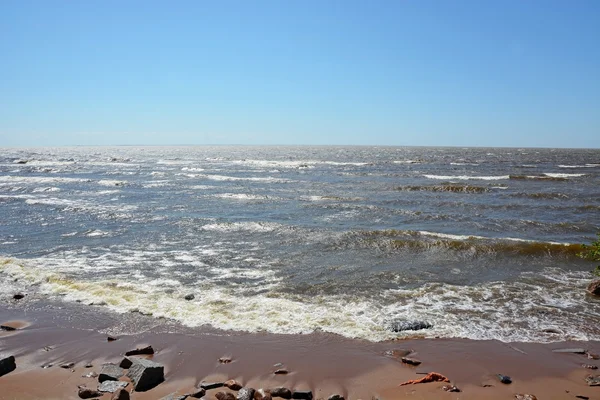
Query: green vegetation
592 252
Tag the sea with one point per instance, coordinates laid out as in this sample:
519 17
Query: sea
480 243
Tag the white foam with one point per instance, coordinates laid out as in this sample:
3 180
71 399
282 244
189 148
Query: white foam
407 162
40 180
242 226
579 166
242 196
563 175
466 177
108 182
464 163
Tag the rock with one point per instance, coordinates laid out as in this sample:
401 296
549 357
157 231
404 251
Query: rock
211 385
225 396
573 350
111 339
224 360
302 394
85 393
582 397
525 397
145 374
18 296
589 366
7 328
552 330
410 361
504 379
189 297
140 350
282 392
20 161
401 325
336 397
232 384
262 394
120 394
593 356
245 394
112 386
67 365
47 365
90 375
450 388
174 396
110 372
7 364
197 393
125 363
89 365
281 371
593 380
594 288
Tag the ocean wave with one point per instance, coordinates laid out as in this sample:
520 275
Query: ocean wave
553 175
466 177
243 196
40 180
226 178
464 163
505 311
579 166
445 188
538 178
244 226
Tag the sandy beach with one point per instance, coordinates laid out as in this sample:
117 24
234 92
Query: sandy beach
325 364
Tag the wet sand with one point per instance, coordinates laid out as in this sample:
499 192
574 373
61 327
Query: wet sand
323 363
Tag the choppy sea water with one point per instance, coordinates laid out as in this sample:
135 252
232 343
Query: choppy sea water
481 243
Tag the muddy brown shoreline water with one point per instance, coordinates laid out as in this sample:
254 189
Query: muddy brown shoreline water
324 363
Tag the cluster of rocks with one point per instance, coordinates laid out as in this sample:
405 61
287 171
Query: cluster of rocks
247 393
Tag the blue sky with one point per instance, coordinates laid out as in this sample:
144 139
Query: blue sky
455 73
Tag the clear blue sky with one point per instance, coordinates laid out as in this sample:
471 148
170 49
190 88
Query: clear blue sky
414 72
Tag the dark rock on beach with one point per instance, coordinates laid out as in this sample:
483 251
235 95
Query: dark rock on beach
450 388
112 386
594 288
245 394
146 374
302 394
125 363
282 392
232 384
281 371
336 397
86 393
592 380
572 350
140 351
224 396
67 365
225 360
189 297
7 328
410 361
262 394
504 379
120 394
7 364
197 393
18 296
589 366
111 339
211 385
110 372
402 325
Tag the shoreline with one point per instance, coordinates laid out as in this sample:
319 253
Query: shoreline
324 363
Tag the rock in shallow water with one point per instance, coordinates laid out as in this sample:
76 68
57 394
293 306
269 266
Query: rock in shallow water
7 364
504 379
402 325
594 288
302 394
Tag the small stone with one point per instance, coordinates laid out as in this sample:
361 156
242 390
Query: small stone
232 384
140 350
582 397
120 394
197 393
211 385
410 361
111 339
504 379
450 388
525 397
174 396
18 296
224 360
146 374
110 372
589 366
47 365
224 396
125 363
189 297
7 364
593 380
245 394
67 365
89 365
336 397
592 356
552 330
302 394
282 392
574 350
594 288
90 375
7 328
262 394
85 393
112 386
281 371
